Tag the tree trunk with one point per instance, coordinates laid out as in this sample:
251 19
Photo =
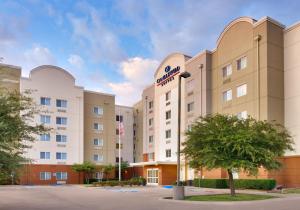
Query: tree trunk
231 183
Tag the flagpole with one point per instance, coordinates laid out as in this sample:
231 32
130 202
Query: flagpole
119 145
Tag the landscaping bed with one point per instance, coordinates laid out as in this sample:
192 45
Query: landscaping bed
228 197
132 182
258 184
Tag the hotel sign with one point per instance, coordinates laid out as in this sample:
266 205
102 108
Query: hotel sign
169 76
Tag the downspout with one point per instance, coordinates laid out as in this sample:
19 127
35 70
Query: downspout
257 39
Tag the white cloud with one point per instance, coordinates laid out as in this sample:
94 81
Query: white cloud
138 70
183 26
76 61
39 55
91 32
138 73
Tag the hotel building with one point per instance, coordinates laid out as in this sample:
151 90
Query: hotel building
124 118
254 70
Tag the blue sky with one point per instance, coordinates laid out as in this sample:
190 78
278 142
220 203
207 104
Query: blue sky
115 46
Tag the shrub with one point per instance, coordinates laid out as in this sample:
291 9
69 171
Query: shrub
132 182
138 181
211 183
259 184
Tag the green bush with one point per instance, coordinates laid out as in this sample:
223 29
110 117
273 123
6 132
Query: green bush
259 184
211 183
138 181
132 182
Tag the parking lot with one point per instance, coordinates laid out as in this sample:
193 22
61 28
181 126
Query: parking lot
73 197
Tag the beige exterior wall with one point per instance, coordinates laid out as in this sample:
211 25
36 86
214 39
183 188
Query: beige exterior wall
56 83
236 41
10 77
126 139
138 132
106 150
148 113
291 84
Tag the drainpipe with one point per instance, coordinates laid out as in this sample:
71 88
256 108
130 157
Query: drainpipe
201 88
257 39
146 131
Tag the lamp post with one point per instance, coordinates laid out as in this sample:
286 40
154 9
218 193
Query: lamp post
179 190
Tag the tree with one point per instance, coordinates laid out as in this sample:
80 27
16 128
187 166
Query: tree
224 141
17 130
86 167
108 169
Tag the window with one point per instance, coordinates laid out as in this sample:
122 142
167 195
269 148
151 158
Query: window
117 159
45 155
45 137
98 157
241 90
61 138
168 153
98 142
150 139
150 104
190 85
61 156
168 134
117 146
61 120
45 101
45 119
117 131
168 96
45 175
189 127
168 115
119 118
61 175
150 121
241 63
190 107
242 115
227 95
98 126
98 110
227 71
151 156
61 103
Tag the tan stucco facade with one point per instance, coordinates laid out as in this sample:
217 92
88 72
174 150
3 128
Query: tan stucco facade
138 132
10 77
106 149
263 100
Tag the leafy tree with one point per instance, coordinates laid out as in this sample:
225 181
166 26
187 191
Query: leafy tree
86 167
124 165
108 169
224 141
17 130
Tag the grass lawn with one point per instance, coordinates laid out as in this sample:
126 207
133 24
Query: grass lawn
292 191
228 197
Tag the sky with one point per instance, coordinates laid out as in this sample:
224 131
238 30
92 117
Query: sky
115 46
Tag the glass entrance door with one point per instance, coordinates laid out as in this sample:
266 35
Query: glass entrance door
152 176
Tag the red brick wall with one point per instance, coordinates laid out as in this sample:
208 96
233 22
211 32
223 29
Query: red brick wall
30 174
289 175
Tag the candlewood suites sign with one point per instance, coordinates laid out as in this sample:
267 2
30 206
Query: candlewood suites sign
169 76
